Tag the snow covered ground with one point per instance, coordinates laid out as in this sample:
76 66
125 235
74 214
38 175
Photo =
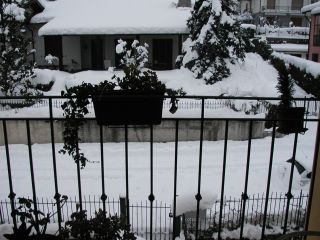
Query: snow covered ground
139 163
253 77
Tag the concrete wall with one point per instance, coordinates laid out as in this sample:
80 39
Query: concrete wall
188 131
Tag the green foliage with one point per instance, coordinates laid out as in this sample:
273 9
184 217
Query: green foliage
215 39
28 216
285 84
16 72
261 47
305 80
100 227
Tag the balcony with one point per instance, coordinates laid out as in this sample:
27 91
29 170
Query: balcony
192 162
282 10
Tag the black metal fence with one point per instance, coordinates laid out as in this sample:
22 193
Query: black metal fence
162 228
288 201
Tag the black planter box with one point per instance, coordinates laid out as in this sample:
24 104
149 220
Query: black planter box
291 120
129 108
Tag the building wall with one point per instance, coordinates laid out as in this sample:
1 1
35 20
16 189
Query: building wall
77 49
109 45
39 45
282 12
313 49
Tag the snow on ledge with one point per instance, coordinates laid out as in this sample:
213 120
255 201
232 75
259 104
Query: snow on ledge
290 47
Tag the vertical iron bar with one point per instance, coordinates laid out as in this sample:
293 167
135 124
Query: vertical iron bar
269 180
11 194
36 226
289 194
151 196
79 178
198 196
225 150
245 193
127 172
103 195
175 234
57 195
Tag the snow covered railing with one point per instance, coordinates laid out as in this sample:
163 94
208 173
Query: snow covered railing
312 107
289 32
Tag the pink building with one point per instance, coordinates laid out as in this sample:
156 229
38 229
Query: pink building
313 12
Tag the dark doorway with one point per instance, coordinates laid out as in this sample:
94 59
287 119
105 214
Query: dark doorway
162 54
97 54
53 46
117 56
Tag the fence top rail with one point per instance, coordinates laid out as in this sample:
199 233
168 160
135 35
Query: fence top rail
200 97
164 119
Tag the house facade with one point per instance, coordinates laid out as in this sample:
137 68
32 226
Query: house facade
313 12
279 12
83 34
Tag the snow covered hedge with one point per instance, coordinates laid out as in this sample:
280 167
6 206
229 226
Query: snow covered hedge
305 73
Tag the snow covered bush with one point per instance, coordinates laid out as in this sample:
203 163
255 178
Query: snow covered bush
15 71
215 39
261 47
285 84
99 227
51 60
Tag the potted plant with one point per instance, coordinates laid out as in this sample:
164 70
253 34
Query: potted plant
28 217
134 99
290 118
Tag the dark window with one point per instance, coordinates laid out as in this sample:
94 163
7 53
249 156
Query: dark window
296 55
117 56
53 46
316 38
271 4
315 57
296 4
297 21
97 53
162 54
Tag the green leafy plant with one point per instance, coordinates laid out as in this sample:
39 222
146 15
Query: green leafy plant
100 227
136 78
28 216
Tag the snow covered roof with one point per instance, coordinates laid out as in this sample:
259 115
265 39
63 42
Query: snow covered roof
85 17
315 11
310 7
